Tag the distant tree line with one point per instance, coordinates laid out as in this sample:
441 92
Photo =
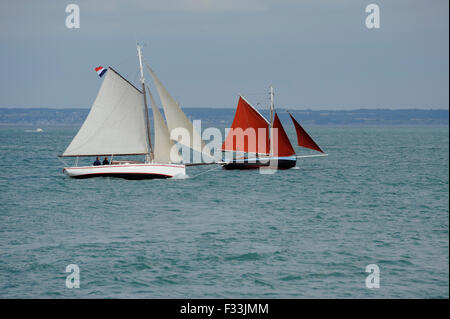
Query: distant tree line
224 116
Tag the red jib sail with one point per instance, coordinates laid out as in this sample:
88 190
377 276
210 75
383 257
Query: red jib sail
249 131
281 145
303 138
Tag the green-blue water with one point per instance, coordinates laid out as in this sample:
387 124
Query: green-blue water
380 197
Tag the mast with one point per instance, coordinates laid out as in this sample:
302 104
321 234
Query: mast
271 119
147 122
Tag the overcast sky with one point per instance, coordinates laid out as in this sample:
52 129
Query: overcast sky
316 54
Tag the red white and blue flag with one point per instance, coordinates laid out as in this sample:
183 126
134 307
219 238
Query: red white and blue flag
100 71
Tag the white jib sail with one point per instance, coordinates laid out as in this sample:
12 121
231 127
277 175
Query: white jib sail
163 145
116 122
177 119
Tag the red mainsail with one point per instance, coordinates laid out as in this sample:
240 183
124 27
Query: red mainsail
281 145
303 138
249 131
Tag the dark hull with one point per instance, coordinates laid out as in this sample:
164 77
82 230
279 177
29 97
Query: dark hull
129 176
279 163
127 171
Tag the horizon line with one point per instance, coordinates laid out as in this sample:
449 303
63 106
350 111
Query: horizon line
263 108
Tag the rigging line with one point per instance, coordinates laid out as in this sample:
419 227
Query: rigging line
125 59
254 93
209 170
62 161
136 77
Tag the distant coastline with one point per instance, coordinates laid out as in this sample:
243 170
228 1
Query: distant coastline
224 116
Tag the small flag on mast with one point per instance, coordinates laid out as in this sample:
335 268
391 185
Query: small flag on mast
100 71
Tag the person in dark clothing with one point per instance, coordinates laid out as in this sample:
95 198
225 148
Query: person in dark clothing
105 161
97 162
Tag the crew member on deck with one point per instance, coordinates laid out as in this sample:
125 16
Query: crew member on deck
105 161
97 162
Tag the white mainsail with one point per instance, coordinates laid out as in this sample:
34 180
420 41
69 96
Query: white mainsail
177 119
116 122
163 145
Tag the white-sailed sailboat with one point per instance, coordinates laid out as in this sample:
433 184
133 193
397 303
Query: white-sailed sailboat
118 125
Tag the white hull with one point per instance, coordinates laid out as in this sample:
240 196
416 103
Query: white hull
128 171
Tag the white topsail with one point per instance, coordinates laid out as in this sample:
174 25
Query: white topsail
177 119
163 145
116 123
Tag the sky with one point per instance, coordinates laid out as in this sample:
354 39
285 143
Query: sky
317 54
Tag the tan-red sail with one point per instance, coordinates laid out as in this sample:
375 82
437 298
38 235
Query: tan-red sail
281 145
249 131
303 138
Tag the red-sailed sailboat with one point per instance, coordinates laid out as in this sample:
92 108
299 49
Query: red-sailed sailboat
262 143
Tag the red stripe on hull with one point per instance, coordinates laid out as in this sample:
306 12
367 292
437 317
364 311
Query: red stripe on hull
106 166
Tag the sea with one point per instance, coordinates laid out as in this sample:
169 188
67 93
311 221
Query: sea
379 202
